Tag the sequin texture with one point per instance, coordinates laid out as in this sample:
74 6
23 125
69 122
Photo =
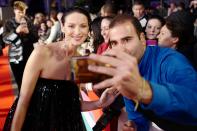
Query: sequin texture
54 106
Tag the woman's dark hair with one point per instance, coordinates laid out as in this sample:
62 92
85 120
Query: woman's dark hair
96 29
78 10
181 5
109 18
1 23
181 25
157 17
53 14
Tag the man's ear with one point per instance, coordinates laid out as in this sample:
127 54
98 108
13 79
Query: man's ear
142 38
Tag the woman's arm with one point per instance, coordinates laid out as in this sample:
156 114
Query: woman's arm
107 97
30 76
90 105
54 33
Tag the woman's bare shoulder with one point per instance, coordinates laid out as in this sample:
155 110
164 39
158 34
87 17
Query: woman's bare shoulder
42 50
50 50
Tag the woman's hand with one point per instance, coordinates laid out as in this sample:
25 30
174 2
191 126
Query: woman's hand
108 96
129 126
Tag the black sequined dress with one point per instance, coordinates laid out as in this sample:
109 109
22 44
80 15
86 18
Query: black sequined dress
54 106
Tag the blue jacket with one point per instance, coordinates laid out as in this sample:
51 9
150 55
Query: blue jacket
174 84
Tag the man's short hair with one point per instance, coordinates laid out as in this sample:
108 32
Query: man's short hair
124 18
138 2
20 5
110 9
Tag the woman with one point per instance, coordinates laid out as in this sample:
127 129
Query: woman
55 33
96 33
177 33
105 33
48 99
153 28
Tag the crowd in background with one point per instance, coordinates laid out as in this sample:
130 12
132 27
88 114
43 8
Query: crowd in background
173 27
48 26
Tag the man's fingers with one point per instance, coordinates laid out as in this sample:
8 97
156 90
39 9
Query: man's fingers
121 54
117 94
105 59
115 91
121 59
102 69
104 84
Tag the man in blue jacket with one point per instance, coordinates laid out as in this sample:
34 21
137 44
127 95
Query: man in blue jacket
159 84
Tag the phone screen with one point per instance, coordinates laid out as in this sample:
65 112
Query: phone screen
80 72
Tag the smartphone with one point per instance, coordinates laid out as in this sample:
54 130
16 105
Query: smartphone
80 72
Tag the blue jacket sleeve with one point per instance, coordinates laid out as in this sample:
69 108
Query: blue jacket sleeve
141 122
175 93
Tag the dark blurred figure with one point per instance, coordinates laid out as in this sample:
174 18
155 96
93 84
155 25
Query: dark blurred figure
138 9
181 6
172 8
2 44
96 33
38 19
108 9
193 10
162 9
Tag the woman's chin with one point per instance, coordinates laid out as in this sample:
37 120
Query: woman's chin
77 43
151 38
